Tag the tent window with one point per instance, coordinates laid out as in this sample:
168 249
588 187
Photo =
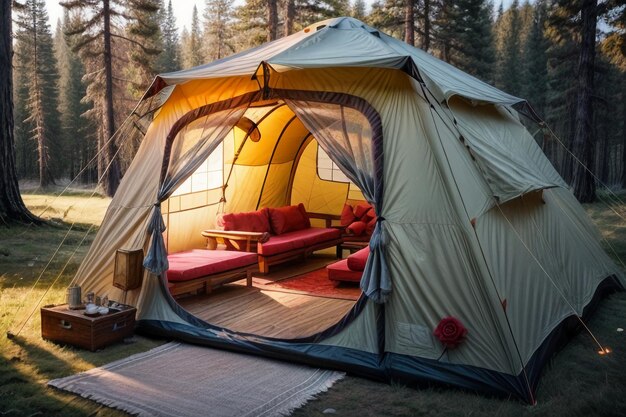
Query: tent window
207 177
328 170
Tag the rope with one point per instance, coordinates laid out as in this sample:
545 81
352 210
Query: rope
601 235
595 177
59 247
55 281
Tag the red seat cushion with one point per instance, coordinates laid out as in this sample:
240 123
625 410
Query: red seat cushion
315 235
253 221
288 219
339 271
297 240
196 263
280 244
357 260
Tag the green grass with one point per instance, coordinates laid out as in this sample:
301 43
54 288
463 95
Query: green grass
577 382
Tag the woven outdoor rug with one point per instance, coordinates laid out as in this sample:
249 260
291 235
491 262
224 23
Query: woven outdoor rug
185 380
313 283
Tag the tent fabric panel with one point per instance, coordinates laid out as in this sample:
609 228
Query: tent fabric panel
244 188
271 129
292 137
543 283
326 48
361 334
436 276
184 228
464 177
126 219
507 155
317 195
275 188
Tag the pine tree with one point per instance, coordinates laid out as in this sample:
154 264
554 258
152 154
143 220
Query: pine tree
218 16
509 59
144 39
37 63
388 16
251 24
25 148
358 10
92 36
464 38
192 44
535 68
169 60
80 143
96 34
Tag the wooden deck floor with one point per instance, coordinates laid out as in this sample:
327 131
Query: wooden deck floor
266 312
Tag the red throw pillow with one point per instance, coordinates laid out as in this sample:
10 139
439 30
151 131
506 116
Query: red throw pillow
357 228
253 221
369 215
361 209
357 260
288 219
347 215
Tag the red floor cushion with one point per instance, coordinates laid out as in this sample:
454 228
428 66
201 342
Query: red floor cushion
196 263
357 260
339 271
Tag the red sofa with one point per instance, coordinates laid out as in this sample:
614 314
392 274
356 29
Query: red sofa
202 269
275 234
358 220
349 269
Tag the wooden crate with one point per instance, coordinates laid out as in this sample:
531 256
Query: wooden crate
62 325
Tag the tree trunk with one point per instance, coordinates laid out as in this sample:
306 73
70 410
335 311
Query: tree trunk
425 44
623 167
112 175
409 22
272 19
12 206
45 177
290 14
583 181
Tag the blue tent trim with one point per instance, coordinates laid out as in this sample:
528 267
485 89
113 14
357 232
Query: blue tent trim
389 366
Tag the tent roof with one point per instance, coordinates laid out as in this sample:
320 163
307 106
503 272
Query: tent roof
345 42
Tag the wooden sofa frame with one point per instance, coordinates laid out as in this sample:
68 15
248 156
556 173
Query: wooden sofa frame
248 238
207 283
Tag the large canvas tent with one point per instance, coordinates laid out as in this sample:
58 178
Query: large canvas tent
473 221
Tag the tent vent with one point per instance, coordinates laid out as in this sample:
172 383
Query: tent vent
320 27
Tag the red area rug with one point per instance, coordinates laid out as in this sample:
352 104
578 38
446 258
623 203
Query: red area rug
315 283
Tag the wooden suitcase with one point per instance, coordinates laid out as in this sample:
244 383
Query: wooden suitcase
61 325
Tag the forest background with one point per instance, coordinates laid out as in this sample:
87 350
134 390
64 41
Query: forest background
74 87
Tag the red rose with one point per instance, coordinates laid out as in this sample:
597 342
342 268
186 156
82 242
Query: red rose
450 332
